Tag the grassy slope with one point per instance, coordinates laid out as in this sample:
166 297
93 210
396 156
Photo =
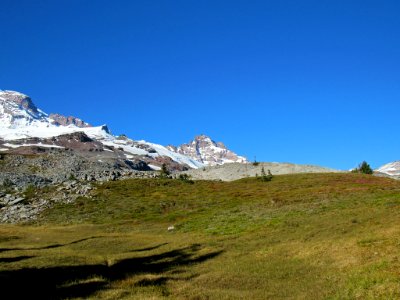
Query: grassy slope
311 236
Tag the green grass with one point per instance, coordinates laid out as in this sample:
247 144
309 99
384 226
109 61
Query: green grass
308 236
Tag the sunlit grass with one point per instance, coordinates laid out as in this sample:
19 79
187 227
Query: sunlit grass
314 236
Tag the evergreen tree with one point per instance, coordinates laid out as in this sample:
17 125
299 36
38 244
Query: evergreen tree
255 163
264 176
365 168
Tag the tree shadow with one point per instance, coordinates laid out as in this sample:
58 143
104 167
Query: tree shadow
149 248
80 281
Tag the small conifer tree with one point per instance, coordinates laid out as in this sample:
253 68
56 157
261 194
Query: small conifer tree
185 178
365 168
255 162
164 173
265 176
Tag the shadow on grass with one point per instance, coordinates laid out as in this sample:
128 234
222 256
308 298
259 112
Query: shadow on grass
84 280
14 259
51 246
149 248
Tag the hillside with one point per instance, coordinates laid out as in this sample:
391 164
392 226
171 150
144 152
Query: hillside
304 236
235 171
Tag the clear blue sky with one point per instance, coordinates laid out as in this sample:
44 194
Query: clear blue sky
293 81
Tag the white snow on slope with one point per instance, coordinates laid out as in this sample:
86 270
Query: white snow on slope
180 158
392 168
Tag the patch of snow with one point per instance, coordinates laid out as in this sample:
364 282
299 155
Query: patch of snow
33 145
156 168
43 145
11 145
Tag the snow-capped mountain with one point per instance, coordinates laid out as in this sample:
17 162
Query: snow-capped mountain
17 110
392 169
208 152
23 125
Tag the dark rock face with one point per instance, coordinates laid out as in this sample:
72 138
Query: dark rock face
78 136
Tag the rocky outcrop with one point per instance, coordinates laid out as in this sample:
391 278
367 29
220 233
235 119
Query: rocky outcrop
65 121
208 152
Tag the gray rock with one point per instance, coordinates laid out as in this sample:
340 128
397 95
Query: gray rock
17 200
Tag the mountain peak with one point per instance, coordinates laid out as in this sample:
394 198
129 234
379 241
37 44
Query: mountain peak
22 100
203 149
202 137
17 109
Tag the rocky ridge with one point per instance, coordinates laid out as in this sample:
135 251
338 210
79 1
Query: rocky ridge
70 120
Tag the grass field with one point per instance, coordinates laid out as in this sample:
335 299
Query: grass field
307 236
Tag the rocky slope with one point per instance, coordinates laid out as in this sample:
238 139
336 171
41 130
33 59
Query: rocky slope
208 152
234 171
